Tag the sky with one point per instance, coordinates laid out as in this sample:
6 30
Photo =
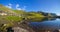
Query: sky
51 6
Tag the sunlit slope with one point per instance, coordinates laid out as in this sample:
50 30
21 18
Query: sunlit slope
15 16
35 16
21 14
7 10
10 17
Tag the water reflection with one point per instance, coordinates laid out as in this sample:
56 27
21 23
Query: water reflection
48 19
47 25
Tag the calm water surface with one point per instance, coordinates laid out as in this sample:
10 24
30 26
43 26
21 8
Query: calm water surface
50 24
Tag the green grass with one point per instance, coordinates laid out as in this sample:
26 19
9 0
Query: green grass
9 19
13 18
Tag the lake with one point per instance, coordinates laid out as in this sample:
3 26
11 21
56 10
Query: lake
49 25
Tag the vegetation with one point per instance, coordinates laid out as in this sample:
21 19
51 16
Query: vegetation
17 16
13 18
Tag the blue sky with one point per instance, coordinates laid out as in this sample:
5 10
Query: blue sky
34 5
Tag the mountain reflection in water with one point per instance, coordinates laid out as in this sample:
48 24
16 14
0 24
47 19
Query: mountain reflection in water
46 25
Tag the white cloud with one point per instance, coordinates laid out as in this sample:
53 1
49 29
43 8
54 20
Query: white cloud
17 7
9 5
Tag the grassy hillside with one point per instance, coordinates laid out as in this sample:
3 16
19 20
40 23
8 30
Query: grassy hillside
17 16
35 16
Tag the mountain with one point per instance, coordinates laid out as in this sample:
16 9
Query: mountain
20 13
10 17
